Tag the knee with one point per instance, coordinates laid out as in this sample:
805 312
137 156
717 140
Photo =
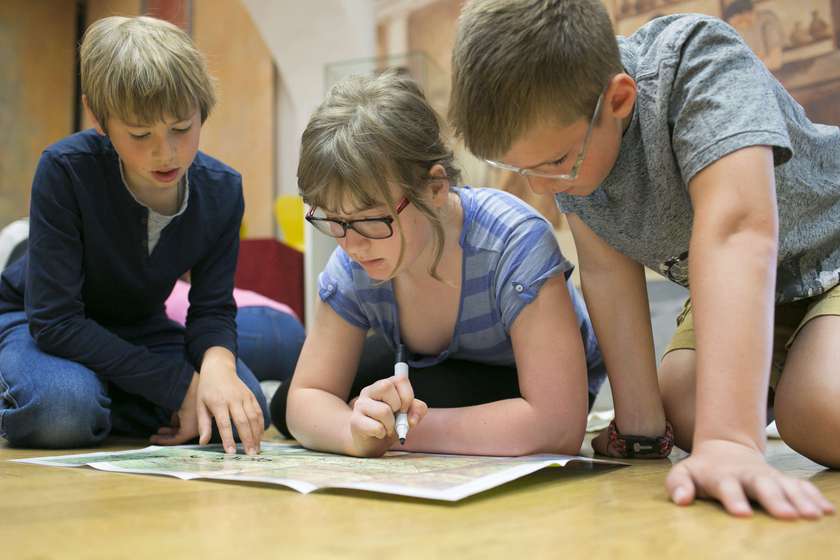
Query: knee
811 428
287 338
676 385
270 342
288 328
60 419
266 412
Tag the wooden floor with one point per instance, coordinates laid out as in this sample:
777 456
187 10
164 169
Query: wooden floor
576 512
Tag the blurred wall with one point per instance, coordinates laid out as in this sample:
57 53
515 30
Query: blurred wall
36 91
429 27
809 64
305 38
240 131
805 34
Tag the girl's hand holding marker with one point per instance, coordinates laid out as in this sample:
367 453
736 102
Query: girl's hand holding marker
384 411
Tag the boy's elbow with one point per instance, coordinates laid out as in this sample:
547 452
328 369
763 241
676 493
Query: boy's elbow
757 244
48 335
757 231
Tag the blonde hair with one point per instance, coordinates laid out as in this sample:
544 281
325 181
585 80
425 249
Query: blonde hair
143 68
519 62
369 131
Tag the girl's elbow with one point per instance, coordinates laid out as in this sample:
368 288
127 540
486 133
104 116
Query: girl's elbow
568 443
566 438
561 441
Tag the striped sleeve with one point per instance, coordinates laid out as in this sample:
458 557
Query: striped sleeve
337 288
530 257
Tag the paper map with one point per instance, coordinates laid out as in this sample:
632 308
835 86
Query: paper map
420 475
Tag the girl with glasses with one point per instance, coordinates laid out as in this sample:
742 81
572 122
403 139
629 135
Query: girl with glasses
470 282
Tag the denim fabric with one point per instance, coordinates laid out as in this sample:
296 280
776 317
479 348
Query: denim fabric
269 342
51 402
88 266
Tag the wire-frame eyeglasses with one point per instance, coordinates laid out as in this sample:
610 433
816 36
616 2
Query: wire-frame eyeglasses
529 172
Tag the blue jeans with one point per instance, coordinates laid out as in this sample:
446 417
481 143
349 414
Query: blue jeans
51 402
269 342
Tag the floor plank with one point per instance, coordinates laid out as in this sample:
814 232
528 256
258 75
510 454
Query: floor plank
574 512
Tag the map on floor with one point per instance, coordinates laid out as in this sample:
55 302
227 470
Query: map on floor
419 475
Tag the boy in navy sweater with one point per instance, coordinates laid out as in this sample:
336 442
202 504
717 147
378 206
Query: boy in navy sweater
118 214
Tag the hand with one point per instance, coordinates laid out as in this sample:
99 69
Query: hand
223 396
184 422
600 443
731 472
372 421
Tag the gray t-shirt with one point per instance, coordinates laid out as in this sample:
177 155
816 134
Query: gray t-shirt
703 94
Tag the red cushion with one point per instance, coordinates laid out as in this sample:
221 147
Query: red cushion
273 269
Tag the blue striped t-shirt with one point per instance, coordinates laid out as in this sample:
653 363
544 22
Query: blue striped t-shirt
509 251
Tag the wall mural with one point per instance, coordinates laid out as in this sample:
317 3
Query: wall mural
798 41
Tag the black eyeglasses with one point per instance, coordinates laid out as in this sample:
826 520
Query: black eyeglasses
372 228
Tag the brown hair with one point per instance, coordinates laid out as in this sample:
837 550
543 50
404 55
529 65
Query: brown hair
516 62
369 131
143 68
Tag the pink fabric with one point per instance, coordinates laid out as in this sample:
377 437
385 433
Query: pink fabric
178 302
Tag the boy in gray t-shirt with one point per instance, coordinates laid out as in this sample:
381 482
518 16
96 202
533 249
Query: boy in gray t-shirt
676 149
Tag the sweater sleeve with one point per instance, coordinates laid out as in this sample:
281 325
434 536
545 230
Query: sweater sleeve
56 310
211 319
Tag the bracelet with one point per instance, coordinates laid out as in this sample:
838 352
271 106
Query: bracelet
639 447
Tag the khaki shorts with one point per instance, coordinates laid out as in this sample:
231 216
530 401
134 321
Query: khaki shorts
790 318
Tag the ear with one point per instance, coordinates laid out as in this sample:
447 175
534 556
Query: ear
96 124
620 96
439 183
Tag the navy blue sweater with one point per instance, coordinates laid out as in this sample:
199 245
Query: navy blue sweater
88 277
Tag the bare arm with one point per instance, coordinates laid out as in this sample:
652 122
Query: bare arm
732 266
318 415
616 296
550 417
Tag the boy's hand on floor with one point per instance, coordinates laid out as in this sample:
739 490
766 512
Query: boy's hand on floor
184 422
224 397
732 473
600 443
372 421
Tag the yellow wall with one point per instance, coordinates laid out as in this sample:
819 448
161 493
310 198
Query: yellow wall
240 131
36 91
